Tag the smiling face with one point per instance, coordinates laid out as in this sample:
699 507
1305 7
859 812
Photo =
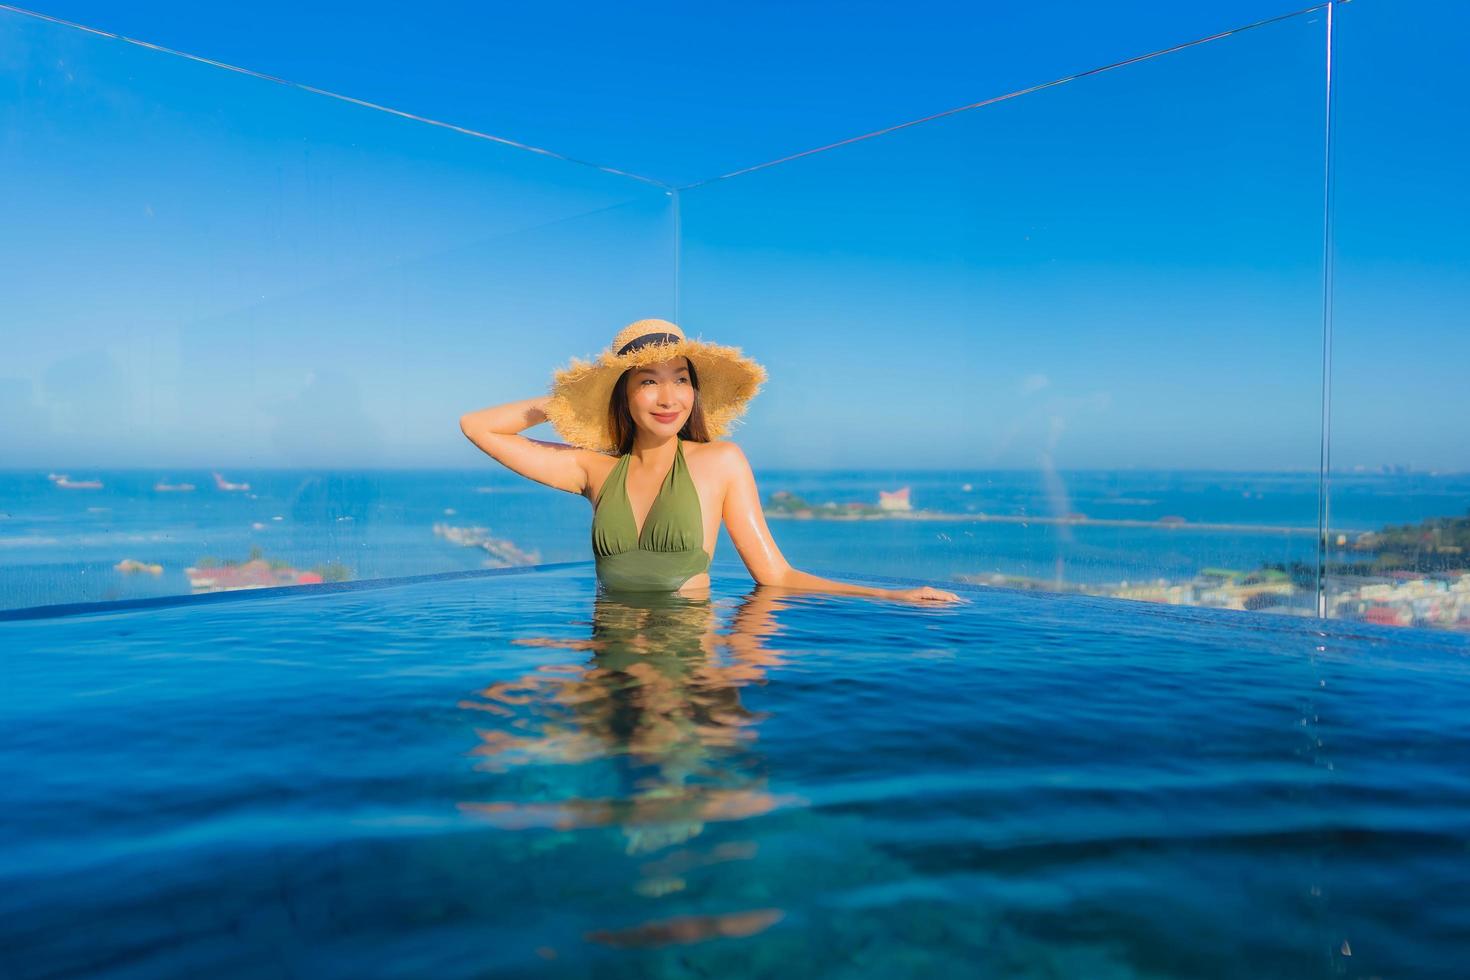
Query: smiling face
661 396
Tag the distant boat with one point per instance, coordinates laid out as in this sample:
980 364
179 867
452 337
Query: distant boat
222 484
894 500
162 487
503 552
67 483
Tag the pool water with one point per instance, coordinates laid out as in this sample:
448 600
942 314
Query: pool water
512 775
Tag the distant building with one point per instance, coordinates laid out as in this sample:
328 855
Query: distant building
254 574
895 500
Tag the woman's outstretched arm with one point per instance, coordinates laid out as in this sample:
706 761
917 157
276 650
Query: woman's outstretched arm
745 520
496 431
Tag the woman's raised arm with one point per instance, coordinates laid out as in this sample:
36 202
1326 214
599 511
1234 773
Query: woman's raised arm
495 430
745 520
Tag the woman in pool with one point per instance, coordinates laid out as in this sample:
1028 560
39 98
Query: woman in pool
642 426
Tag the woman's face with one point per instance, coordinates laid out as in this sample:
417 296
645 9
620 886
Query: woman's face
661 396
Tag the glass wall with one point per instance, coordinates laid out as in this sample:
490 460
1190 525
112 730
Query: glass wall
1399 493
242 321
1069 340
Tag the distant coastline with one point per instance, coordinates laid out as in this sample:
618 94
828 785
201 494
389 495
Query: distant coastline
1165 523
896 505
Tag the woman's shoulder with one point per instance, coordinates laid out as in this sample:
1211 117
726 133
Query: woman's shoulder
716 449
723 460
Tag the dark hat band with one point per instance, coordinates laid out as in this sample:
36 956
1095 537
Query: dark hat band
637 343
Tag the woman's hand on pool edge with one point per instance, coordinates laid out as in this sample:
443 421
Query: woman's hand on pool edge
925 593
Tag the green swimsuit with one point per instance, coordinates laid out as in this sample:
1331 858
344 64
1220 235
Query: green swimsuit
669 552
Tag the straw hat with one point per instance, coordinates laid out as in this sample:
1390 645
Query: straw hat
581 392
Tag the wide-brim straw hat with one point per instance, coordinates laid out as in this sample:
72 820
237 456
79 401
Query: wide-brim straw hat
582 391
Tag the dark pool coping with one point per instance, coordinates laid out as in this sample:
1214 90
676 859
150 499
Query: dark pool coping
62 609
65 609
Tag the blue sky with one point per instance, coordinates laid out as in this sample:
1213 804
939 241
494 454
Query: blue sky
1121 272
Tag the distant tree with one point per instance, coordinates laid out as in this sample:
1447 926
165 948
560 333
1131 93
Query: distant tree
1438 544
333 572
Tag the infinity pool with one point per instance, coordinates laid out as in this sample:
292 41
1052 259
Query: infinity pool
512 775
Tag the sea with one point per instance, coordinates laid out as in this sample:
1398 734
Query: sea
62 544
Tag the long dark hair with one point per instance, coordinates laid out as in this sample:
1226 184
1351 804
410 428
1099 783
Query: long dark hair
620 420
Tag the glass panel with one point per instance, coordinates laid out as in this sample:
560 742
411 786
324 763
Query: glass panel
1075 334
244 319
1399 547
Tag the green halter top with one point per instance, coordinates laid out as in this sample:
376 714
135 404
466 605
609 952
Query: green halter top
669 552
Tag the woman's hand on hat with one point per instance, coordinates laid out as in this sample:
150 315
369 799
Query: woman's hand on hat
926 593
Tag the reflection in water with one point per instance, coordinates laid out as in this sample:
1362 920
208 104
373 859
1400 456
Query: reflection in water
690 929
661 696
